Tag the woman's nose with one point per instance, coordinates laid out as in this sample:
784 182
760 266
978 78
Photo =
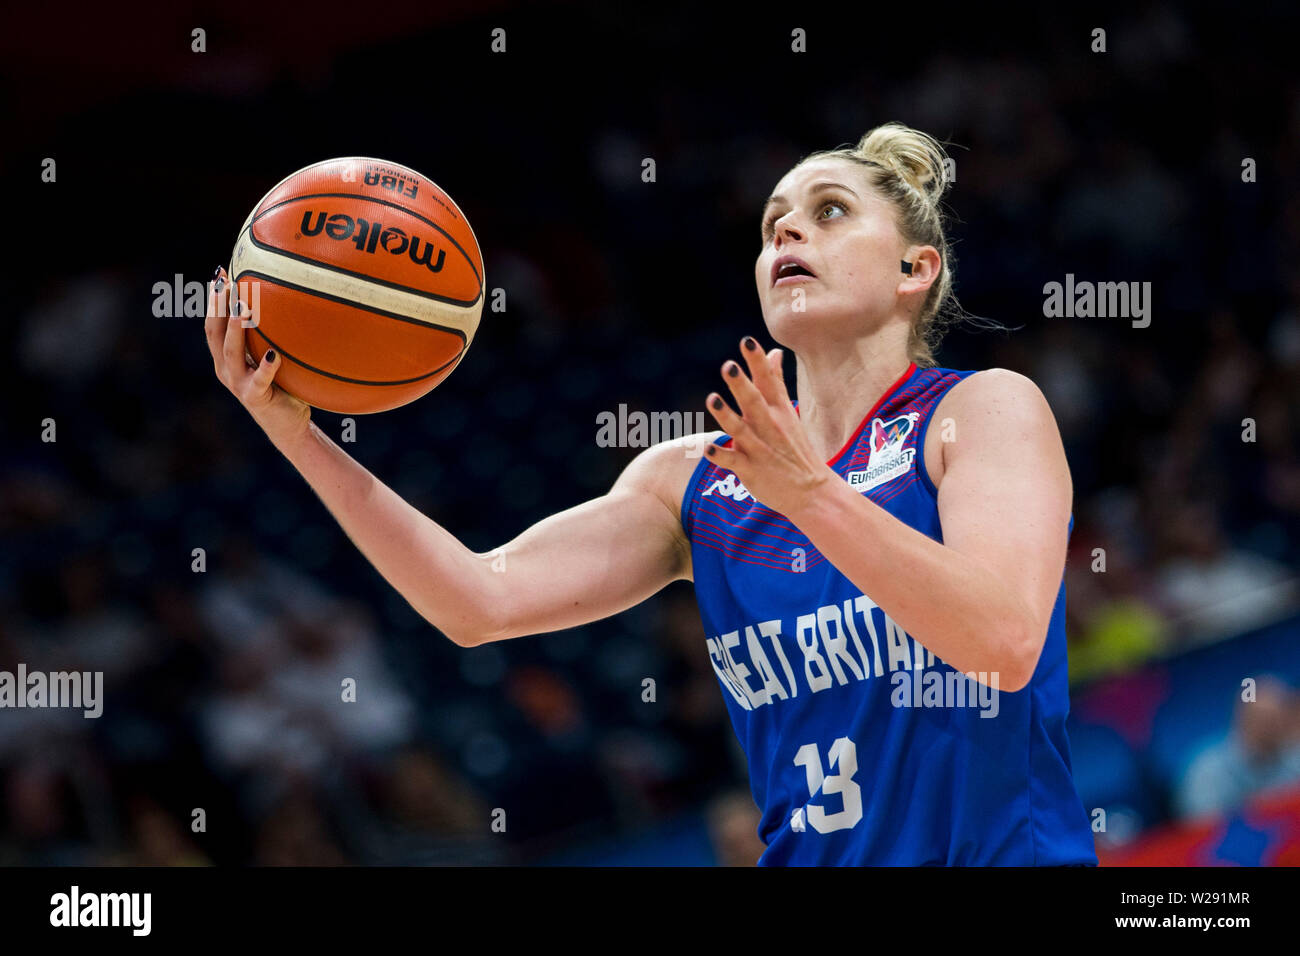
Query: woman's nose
787 231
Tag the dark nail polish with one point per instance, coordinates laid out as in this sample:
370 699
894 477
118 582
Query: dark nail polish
733 369
270 356
216 273
717 404
750 343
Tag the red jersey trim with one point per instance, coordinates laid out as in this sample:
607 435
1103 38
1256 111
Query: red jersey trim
866 419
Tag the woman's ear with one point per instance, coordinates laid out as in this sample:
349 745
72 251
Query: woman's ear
920 266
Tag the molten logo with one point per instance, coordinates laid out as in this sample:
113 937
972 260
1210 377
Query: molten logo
369 236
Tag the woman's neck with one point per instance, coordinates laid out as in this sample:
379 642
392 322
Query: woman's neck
838 386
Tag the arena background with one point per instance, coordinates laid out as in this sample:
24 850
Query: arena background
222 686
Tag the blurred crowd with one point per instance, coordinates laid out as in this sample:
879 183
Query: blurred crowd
270 700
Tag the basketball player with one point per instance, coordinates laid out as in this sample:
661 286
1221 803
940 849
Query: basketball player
879 567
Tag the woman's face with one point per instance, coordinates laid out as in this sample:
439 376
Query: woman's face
826 214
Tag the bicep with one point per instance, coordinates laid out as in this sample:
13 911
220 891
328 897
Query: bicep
1006 493
595 559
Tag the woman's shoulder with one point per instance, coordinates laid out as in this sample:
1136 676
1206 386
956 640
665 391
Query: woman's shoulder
665 469
995 405
992 385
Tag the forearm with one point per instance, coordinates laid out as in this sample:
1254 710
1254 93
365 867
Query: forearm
445 582
954 605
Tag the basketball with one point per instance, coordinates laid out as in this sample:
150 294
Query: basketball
366 278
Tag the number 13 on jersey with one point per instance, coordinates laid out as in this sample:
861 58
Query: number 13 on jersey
843 758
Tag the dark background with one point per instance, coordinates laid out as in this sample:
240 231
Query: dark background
222 687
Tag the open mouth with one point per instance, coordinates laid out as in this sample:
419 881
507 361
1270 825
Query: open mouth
790 269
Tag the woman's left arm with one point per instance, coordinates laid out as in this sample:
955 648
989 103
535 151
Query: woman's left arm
982 600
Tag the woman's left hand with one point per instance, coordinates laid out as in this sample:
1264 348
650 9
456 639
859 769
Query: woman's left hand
770 454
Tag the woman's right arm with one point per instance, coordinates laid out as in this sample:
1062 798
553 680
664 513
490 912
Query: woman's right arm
577 566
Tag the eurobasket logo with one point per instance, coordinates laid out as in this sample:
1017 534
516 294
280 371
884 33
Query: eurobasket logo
888 457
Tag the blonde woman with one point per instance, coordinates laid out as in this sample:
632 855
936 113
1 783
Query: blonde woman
879 566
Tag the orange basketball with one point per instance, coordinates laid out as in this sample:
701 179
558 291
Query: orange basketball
365 277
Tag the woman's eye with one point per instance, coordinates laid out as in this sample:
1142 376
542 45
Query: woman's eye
833 204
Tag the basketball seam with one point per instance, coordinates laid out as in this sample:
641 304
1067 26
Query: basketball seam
397 287
355 381
383 202
357 305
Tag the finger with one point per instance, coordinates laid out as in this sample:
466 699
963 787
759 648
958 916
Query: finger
774 360
213 326
727 420
732 459
753 406
259 383
212 329
760 372
226 291
233 349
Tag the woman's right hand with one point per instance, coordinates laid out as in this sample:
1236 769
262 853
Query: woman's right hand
278 413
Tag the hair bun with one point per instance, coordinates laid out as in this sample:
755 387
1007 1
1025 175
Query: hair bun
915 157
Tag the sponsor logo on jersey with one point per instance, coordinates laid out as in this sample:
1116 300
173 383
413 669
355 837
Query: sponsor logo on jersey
889 458
730 487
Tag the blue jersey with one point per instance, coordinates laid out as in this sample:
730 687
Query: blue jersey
863 747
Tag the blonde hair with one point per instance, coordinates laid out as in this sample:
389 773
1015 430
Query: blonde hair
908 169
